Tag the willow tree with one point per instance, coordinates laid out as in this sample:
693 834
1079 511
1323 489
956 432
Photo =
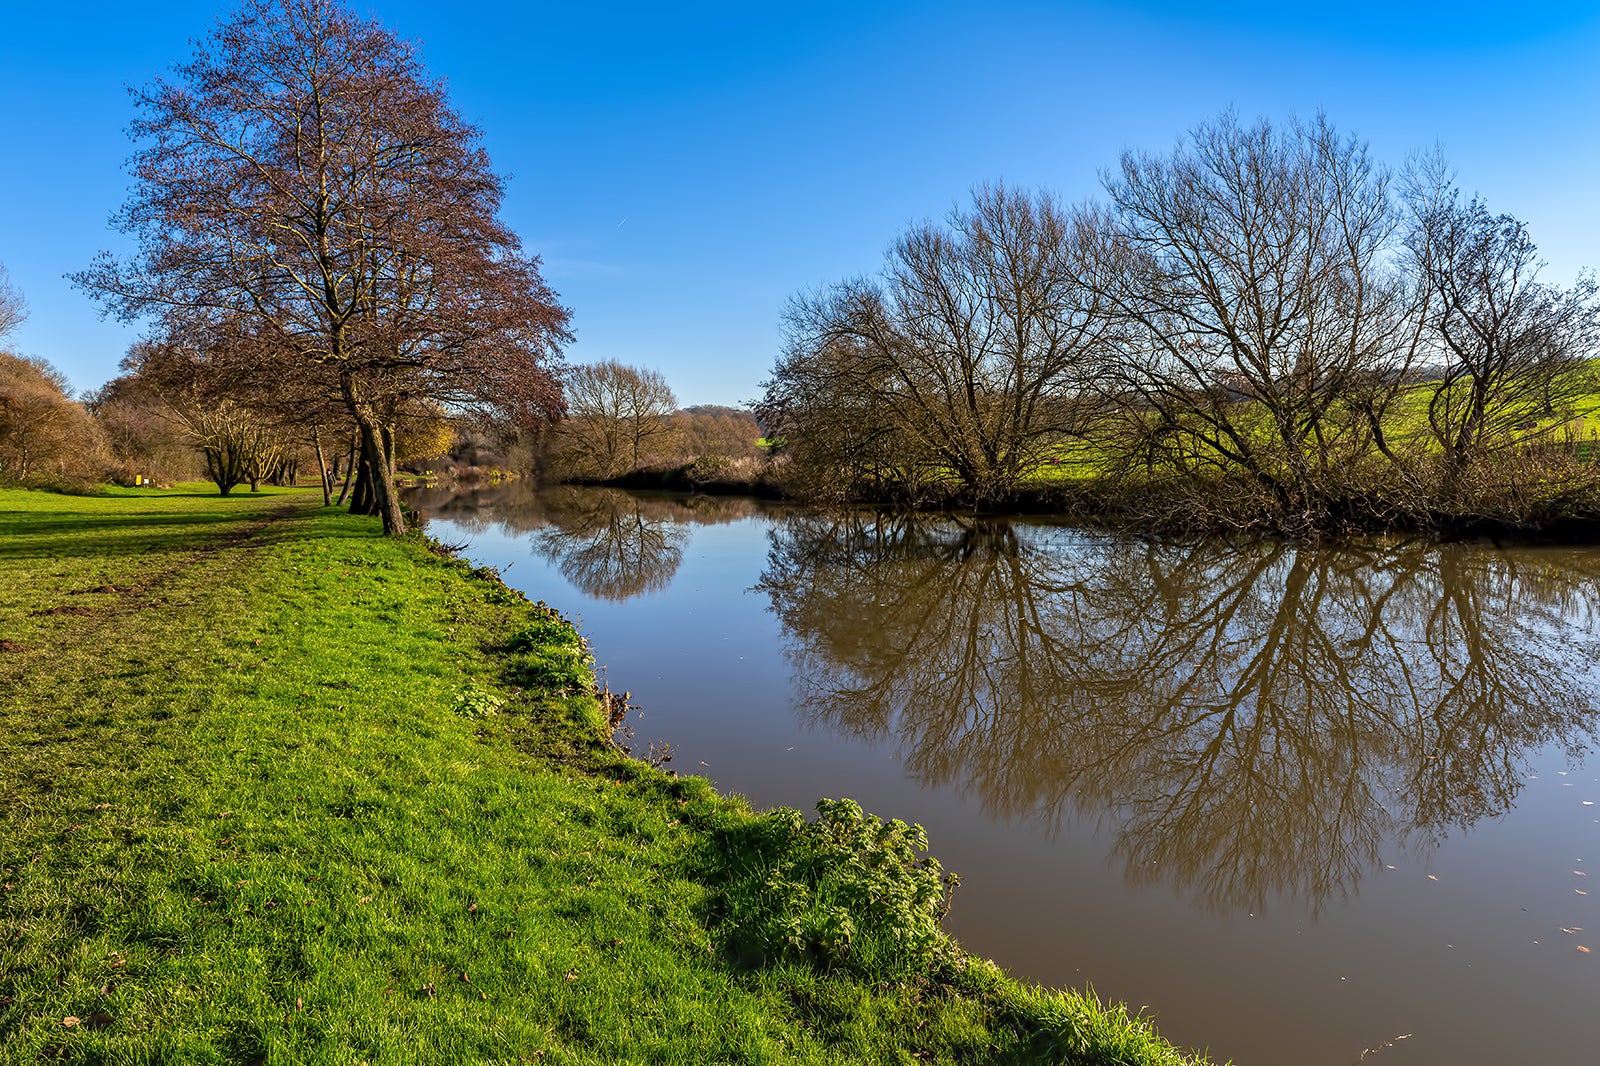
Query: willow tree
302 178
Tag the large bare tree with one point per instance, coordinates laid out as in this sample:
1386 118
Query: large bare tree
302 175
970 355
1265 324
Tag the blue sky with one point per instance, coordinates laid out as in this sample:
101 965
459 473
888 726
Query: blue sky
683 169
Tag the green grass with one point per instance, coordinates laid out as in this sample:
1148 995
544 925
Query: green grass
279 790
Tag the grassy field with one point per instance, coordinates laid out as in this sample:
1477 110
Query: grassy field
278 790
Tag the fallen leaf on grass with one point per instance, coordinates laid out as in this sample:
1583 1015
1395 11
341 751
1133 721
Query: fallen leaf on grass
69 1021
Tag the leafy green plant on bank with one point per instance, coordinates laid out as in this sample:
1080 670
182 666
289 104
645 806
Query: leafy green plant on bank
474 702
848 890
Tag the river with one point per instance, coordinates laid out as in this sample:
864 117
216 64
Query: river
1301 805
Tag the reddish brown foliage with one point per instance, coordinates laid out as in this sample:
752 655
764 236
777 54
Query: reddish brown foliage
302 181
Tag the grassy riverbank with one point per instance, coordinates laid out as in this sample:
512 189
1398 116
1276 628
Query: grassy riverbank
279 790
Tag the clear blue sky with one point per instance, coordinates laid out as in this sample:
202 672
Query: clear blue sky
683 170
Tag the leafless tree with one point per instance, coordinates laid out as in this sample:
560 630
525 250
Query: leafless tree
1509 352
302 179
13 308
204 394
970 355
616 414
1265 329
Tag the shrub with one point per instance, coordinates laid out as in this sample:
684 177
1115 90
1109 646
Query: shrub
849 891
475 702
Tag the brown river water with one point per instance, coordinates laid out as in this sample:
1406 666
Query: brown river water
1300 805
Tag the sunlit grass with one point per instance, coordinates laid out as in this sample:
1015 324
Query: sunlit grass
280 790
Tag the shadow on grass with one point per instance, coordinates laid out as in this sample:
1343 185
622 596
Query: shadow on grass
80 534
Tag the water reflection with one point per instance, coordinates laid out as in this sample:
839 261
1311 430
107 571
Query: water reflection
612 545
605 544
1249 720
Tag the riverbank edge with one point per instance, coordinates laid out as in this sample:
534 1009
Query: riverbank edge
1130 512
522 703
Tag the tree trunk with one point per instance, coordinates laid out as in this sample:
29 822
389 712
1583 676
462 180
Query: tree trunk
323 477
349 472
385 498
377 449
361 498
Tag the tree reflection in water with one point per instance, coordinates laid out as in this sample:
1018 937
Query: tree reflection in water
1252 720
607 545
612 545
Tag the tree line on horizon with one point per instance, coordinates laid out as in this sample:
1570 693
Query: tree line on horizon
1263 328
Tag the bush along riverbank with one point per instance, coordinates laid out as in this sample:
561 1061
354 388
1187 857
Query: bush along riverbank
279 789
711 475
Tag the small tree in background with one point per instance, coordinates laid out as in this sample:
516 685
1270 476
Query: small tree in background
13 308
617 417
44 433
140 433
970 357
1509 351
203 395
